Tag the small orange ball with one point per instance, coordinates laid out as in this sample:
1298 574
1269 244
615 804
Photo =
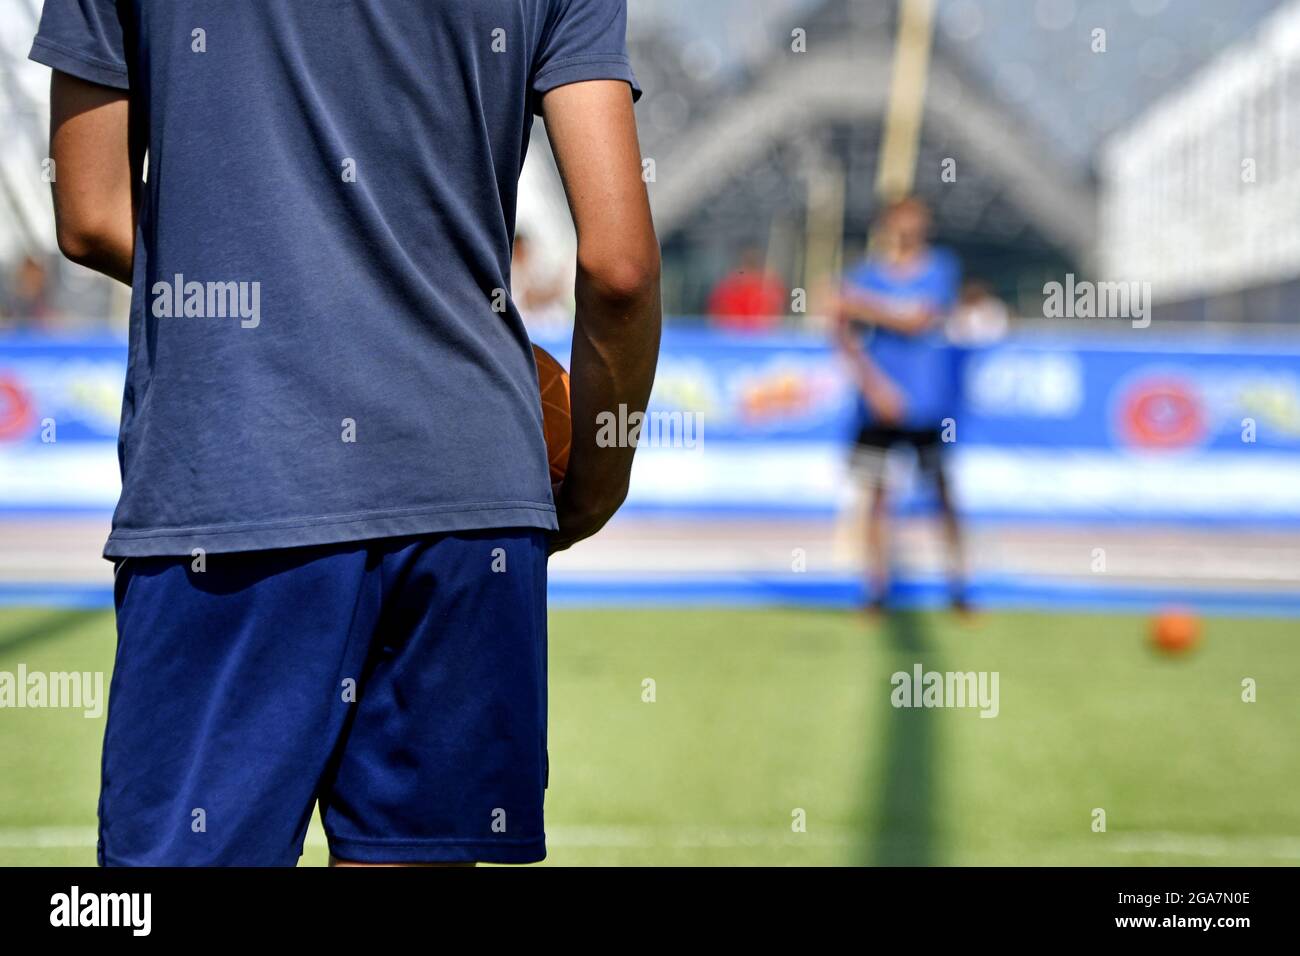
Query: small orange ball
1175 632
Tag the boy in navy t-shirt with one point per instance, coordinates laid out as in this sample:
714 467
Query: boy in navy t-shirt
336 509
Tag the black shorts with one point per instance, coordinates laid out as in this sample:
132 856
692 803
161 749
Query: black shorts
873 441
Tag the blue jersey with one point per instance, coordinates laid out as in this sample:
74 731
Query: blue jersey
921 366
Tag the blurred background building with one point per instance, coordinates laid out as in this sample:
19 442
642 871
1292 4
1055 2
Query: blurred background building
757 144
1201 189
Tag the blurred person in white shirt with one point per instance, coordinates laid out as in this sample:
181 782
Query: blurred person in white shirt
980 318
539 291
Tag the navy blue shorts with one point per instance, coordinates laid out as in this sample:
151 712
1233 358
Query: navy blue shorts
401 682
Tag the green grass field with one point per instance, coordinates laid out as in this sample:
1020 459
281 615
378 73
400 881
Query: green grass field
759 713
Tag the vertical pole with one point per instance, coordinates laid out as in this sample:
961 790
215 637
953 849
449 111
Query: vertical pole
896 174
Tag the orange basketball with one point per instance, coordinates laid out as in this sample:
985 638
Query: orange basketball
556 418
1175 632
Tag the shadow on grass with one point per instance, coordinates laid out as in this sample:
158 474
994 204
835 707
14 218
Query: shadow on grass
905 778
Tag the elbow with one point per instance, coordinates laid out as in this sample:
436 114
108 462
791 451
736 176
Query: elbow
80 242
623 278
87 232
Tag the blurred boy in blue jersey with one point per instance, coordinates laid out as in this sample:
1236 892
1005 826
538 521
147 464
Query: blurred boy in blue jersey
890 317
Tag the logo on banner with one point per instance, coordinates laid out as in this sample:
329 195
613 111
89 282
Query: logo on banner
15 409
1162 413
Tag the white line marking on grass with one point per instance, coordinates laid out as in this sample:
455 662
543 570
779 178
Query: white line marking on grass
41 838
582 837
599 836
1189 844
696 837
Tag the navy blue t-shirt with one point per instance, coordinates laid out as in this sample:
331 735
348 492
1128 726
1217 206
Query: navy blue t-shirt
322 345
921 366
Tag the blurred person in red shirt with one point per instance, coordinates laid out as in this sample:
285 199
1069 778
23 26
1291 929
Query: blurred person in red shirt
750 298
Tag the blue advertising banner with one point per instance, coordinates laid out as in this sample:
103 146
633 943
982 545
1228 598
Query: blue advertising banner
76 384
1133 428
60 402
749 388
1148 395
1147 399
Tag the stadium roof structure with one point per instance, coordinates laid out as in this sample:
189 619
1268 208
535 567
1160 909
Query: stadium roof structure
751 167
1019 107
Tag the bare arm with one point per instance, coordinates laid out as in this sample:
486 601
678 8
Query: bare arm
908 321
876 387
616 337
95 179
